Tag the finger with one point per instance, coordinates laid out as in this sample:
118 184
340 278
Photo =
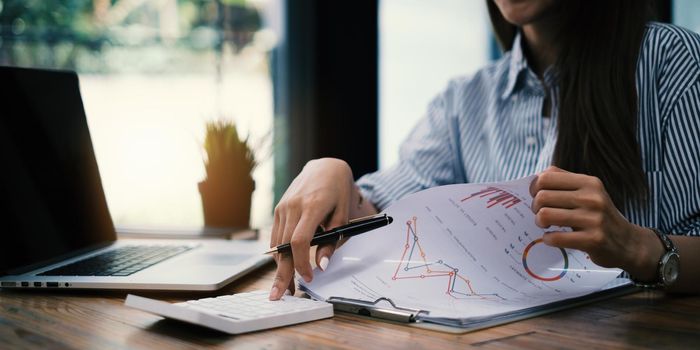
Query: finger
551 168
339 217
284 260
290 220
323 255
324 252
275 235
301 239
557 180
286 216
578 240
575 218
554 199
283 276
556 169
341 242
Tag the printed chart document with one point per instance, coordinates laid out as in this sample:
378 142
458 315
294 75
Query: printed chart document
469 255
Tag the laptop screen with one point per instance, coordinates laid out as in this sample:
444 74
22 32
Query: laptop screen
53 202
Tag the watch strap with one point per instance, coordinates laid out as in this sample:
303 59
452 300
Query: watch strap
666 241
669 248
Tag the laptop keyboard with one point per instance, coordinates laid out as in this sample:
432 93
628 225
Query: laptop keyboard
123 261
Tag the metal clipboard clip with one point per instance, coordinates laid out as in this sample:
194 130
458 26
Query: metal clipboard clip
372 309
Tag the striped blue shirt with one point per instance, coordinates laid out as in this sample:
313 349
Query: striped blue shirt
490 127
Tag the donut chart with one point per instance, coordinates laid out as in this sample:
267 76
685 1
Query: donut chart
543 278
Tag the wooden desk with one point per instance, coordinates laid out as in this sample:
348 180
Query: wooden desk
95 320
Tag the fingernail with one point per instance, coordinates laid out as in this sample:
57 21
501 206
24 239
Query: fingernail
274 292
323 263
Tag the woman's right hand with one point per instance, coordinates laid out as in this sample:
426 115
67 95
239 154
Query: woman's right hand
320 195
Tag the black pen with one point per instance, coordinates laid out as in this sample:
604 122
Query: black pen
353 228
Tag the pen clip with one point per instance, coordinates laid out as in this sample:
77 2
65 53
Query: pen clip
320 231
368 217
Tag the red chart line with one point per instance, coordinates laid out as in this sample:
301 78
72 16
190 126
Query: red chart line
452 274
495 196
408 232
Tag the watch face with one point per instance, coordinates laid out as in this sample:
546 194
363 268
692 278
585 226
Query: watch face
670 268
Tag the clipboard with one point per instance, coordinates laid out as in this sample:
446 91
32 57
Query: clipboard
375 310
392 314
385 310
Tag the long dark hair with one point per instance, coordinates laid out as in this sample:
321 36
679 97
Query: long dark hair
598 42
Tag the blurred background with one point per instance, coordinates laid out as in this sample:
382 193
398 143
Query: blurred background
301 78
152 72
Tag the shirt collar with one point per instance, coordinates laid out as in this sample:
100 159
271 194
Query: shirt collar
516 65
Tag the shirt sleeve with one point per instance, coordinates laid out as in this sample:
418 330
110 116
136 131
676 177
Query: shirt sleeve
680 202
427 158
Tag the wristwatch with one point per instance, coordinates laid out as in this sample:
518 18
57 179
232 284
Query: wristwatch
668 267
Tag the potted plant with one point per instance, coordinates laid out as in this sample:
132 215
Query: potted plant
227 190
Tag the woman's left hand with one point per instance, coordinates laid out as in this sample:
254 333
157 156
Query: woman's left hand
581 202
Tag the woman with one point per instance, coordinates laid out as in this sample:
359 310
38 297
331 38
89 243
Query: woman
592 87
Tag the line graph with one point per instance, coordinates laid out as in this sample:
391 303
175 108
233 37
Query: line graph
457 286
496 196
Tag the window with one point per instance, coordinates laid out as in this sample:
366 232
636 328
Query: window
422 44
685 14
152 73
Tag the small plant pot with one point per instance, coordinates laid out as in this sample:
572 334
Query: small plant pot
226 204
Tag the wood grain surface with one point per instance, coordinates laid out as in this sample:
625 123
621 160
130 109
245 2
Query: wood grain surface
99 320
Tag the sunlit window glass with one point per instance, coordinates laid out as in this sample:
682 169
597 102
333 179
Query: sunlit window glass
422 44
685 14
152 73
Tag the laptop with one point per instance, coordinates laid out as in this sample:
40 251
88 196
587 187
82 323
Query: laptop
55 227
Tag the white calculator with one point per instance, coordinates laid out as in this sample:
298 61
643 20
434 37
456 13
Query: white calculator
237 313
